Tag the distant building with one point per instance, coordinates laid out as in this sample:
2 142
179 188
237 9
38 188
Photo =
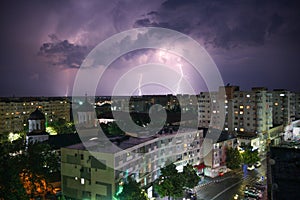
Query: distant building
14 111
245 111
85 117
98 171
297 105
283 107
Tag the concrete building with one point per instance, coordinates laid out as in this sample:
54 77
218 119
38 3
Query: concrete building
14 111
215 159
284 171
297 105
250 139
245 111
284 110
96 170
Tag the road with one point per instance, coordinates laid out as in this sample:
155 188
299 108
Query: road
231 184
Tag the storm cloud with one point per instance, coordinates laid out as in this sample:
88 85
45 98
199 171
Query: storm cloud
62 53
225 24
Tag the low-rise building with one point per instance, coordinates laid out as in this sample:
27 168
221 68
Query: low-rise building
95 169
215 157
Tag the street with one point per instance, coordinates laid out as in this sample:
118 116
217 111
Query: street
223 188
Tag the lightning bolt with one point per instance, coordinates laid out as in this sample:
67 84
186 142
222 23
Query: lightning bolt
140 87
180 79
67 91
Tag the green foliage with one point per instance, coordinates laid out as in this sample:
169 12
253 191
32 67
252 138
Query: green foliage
112 129
233 158
36 162
61 126
132 191
170 182
11 186
249 156
189 176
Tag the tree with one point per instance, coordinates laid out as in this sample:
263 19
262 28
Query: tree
39 163
189 176
11 186
170 182
61 126
132 191
233 158
25 170
249 156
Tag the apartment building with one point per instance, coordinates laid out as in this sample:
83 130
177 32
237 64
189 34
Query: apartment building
245 111
15 111
215 159
284 110
96 169
297 105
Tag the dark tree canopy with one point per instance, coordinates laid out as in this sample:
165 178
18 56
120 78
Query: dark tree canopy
132 191
233 158
21 167
171 182
190 177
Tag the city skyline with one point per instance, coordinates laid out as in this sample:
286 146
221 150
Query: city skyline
253 43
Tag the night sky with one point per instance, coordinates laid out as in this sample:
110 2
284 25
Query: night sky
43 43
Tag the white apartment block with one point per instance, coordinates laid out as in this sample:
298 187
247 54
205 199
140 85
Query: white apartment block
284 110
84 176
297 105
14 112
245 111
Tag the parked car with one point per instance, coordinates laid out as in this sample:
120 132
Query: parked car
252 194
250 167
236 196
257 164
259 186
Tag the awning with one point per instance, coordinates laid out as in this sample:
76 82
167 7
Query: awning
200 166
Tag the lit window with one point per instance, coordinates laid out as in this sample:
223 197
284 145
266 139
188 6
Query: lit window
276 104
226 129
236 112
241 112
226 101
241 107
248 107
82 181
76 178
282 95
242 129
248 95
235 129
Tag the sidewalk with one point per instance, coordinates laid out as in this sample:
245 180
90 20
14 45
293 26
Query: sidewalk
208 180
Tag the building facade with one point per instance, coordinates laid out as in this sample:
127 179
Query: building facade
245 111
99 174
215 159
284 110
14 111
